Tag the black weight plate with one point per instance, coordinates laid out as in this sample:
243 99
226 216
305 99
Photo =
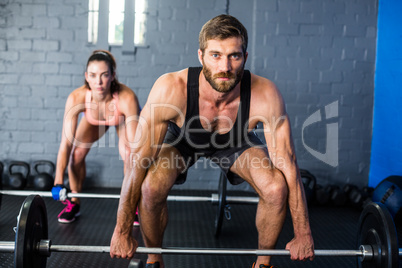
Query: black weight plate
32 227
221 205
377 228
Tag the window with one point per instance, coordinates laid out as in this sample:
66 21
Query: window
93 14
117 22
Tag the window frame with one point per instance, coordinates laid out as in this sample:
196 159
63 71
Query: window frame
128 46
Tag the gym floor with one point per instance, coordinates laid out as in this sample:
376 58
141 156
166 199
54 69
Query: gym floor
190 225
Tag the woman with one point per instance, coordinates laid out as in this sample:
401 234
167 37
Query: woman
105 102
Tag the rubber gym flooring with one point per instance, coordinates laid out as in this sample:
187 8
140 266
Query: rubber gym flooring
191 224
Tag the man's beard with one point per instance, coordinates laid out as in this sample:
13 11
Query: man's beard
223 86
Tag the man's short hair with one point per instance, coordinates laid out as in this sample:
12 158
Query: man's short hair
222 27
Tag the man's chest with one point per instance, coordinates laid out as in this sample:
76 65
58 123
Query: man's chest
220 118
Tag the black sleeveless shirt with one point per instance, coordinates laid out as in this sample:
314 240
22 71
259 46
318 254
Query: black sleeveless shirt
192 131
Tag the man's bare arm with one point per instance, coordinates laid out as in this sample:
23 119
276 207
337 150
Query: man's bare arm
149 135
278 135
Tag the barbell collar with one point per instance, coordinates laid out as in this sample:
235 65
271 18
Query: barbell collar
7 246
44 247
368 253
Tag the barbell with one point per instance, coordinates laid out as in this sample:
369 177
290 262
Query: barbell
214 198
219 199
377 241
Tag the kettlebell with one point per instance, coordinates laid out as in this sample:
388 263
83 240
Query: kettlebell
322 194
338 196
43 181
18 180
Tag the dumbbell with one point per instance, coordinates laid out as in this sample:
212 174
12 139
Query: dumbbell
347 188
338 196
368 190
322 194
360 197
330 195
43 181
18 180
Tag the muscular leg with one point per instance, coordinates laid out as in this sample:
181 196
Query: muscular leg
86 135
254 166
160 178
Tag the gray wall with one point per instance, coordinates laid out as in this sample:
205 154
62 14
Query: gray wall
320 53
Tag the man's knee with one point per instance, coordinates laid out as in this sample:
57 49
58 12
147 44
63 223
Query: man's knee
274 188
161 176
155 188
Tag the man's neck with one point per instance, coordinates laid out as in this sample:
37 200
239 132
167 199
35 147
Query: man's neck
208 93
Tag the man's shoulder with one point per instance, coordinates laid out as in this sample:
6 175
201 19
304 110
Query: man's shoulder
170 88
172 83
260 80
262 85
177 75
265 96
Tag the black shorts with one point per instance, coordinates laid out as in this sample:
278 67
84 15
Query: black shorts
224 158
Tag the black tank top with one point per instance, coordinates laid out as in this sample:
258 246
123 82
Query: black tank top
193 132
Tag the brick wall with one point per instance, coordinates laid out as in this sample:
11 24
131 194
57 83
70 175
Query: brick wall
321 55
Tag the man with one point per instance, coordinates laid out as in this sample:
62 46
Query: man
211 112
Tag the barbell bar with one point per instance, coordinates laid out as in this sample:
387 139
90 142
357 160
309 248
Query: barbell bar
45 246
377 240
213 198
